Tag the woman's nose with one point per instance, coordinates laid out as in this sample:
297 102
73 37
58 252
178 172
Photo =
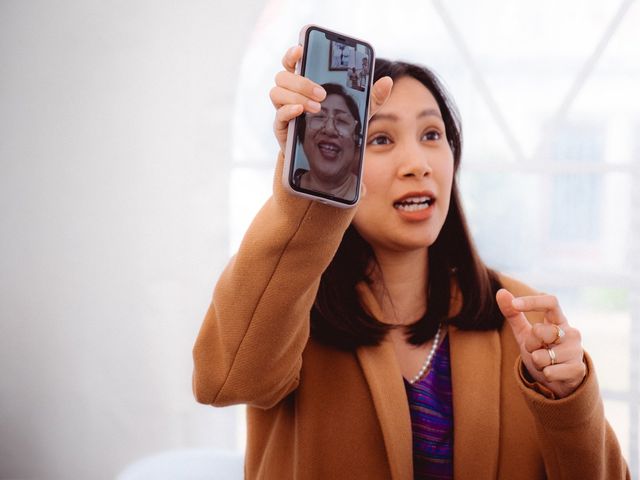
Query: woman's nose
415 162
329 126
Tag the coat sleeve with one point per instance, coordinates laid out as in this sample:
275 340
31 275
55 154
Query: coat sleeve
249 348
575 438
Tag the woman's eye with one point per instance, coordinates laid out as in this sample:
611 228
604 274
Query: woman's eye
432 135
380 140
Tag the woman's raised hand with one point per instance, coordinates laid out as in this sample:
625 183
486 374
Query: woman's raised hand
552 350
294 94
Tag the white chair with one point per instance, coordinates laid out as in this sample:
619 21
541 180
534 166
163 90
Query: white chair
193 464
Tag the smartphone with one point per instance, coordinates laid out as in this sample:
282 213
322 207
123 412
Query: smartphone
325 151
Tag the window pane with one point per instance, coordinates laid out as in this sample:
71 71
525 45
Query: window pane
550 224
602 315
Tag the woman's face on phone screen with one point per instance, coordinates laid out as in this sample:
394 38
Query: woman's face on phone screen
329 142
408 171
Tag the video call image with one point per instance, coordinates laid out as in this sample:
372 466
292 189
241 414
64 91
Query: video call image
329 143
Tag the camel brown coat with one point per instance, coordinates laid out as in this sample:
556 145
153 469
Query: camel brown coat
315 412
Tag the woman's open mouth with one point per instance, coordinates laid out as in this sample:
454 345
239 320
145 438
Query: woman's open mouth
415 207
329 150
414 204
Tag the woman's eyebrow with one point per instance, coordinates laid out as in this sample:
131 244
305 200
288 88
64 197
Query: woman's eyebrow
428 112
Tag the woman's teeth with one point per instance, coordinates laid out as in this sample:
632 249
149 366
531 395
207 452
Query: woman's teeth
328 147
414 204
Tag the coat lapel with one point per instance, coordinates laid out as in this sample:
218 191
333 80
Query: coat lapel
383 375
475 377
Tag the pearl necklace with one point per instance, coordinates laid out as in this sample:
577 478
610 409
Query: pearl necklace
426 363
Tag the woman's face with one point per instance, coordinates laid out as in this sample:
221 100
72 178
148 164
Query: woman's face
408 171
329 142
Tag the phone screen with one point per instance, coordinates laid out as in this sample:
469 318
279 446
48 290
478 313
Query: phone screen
329 145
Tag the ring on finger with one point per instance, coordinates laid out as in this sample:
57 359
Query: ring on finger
559 334
552 356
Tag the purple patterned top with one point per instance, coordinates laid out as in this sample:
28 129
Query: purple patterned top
431 408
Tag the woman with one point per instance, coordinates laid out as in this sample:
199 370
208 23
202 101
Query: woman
371 342
330 139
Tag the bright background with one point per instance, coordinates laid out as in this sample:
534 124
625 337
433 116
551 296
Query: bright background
136 145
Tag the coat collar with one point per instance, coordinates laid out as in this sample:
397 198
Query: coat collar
475 377
475 374
384 377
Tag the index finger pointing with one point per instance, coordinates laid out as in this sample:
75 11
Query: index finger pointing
516 319
541 303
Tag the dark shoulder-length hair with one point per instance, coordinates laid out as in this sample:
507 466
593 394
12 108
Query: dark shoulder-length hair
339 319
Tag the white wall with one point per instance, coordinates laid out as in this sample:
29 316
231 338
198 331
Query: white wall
114 169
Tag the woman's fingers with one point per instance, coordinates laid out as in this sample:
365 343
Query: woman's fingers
286 113
281 96
551 351
379 94
518 322
281 123
554 355
541 303
294 89
543 334
363 190
291 58
289 80
288 106
569 374
295 94
302 86
549 333
292 95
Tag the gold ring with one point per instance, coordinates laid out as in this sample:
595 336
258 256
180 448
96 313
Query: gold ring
559 333
552 355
